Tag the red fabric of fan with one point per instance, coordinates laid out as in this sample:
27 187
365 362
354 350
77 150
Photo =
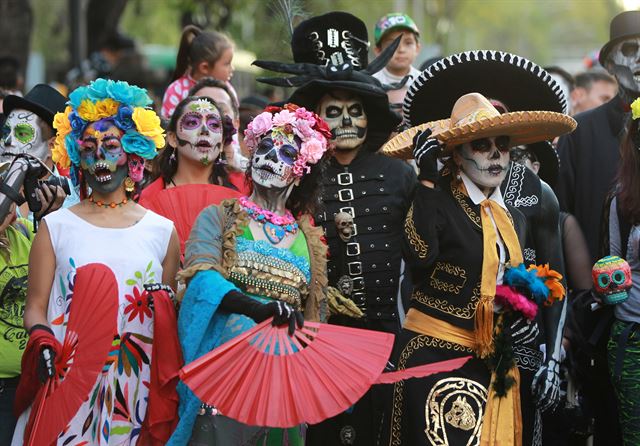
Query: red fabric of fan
182 204
90 331
266 378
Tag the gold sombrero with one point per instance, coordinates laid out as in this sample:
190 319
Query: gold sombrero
474 117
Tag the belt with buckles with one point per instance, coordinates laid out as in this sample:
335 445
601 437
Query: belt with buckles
358 283
353 249
355 268
345 178
345 195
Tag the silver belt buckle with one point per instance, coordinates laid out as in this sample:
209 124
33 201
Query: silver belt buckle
345 195
345 178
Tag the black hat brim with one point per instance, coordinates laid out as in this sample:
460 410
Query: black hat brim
13 102
381 120
606 49
517 82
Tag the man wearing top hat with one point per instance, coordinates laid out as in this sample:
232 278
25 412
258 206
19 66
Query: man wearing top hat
589 160
28 130
366 194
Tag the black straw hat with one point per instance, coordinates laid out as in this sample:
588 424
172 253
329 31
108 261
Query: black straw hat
624 25
43 100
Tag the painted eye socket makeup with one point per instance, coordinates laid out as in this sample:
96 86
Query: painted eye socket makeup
6 132
484 145
214 123
288 154
190 121
24 133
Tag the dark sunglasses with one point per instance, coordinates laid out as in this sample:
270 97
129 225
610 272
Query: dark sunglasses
484 144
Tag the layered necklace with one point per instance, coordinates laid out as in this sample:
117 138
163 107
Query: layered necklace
275 226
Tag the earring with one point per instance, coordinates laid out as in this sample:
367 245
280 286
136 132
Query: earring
172 158
129 184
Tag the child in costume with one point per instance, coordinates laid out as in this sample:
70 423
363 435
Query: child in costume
255 257
201 54
104 135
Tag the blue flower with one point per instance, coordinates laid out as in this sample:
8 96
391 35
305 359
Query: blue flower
128 94
123 118
77 96
77 124
73 150
134 142
97 90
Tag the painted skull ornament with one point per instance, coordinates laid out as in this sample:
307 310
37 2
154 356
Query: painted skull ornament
611 279
344 225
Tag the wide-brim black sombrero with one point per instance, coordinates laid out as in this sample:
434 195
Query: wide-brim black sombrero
515 81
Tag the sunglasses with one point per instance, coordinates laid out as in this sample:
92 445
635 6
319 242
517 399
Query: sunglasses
484 145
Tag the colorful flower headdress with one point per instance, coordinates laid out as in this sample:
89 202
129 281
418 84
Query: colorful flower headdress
288 122
635 109
104 98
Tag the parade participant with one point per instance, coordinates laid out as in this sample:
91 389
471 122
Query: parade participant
255 257
201 54
104 134
196 135
28 130
588 163
463 240
366 194
624 234
487 72
223 96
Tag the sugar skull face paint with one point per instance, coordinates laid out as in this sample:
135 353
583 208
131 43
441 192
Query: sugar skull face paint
485 161
102 157
345 116
272 164
21 134
624 63
199 132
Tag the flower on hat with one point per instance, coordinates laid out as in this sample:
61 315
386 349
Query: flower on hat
635 109
291 121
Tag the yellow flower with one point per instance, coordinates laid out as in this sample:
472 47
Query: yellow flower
59 153
635 109
61 122
88 110
148 124
106 108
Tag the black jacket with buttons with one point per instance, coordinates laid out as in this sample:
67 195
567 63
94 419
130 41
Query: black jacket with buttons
376 190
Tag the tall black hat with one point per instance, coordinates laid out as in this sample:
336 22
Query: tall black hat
549 161
624 25
513 80
337 37
43 100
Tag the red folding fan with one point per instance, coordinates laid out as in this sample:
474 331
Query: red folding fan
266 378
182 204
87 341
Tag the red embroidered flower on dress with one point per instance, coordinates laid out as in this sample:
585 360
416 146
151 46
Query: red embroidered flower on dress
139 305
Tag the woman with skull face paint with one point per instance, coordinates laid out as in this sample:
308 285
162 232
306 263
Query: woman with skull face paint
623 236
460 239
103 135
197 134
255 257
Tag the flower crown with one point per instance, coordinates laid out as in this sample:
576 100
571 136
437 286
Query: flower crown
104 98
635 109
291 121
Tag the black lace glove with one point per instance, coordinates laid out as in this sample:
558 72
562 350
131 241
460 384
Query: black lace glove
46 360
283 313
426 150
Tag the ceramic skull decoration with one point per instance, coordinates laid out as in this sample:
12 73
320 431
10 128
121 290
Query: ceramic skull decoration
136 167
611 279
344 225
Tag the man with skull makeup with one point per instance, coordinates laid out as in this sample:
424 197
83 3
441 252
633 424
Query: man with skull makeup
589 160
464 241
366 194
28 130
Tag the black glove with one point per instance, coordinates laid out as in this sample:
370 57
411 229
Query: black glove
426 150
283 313
46 360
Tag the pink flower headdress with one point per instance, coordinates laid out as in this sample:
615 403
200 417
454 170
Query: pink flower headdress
287 123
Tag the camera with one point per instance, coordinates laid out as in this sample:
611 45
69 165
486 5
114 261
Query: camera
32 182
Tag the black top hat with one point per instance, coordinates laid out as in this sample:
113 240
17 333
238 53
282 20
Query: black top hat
331 39
513 80
624 25
549 161
43 100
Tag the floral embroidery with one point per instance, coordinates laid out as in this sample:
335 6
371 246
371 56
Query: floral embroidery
139 305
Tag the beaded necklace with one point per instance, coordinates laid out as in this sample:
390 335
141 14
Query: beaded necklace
111 205
275 226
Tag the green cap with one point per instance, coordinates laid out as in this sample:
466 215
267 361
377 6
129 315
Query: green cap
391 21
